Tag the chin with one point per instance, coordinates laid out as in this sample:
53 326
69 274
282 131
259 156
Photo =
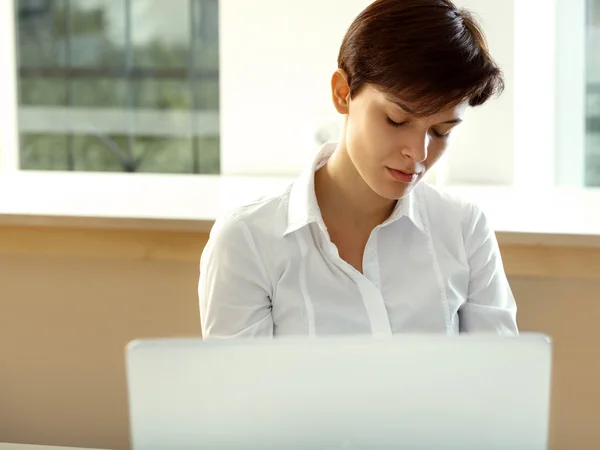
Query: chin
394 192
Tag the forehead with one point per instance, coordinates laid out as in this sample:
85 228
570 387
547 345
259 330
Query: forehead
374 94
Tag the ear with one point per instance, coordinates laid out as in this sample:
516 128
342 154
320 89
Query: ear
340 91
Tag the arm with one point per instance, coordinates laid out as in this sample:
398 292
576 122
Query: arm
234 286
490 306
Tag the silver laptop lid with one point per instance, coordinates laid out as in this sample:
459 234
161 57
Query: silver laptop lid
467 392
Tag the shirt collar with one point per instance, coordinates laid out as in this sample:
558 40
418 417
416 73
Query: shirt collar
408 207
303 208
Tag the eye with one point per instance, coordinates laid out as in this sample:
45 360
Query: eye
395 124
440 135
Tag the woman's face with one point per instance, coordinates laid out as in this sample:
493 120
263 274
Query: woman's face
391 148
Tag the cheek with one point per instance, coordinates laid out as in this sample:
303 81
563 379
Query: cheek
373 135
435 150
379 136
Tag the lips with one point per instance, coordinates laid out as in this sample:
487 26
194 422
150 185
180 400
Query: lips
405 177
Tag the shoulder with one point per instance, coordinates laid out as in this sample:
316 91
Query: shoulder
447 208
259 216
438 200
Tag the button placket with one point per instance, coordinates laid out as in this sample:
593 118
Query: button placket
369 290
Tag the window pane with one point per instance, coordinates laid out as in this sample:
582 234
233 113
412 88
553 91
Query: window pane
163 94
102 153
163 155
42 33
160 33
207 94
99 92
206 35
207 150
593 95
44 152
98 33
119 85
39 91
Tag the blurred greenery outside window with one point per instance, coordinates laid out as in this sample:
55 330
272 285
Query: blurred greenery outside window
118 85
592 163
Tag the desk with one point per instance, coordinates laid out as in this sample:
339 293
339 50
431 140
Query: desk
141 241
547 233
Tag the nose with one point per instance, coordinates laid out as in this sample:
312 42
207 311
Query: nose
415 146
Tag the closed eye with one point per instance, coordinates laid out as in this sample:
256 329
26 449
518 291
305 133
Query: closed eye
395 124
440 135
435 133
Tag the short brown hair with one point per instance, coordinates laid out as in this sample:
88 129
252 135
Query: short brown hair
428 52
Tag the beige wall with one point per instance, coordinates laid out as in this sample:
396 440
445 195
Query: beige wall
63 327
568 310
64 322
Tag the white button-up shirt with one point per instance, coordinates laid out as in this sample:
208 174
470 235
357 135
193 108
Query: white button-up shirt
270 268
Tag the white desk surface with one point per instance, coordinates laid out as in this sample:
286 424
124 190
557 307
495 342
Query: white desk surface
558 216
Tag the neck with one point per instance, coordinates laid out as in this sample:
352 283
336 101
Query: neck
342 193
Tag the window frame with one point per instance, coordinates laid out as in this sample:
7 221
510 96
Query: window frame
9 131
571 91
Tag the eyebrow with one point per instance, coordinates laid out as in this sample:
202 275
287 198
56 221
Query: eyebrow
412 112
401 105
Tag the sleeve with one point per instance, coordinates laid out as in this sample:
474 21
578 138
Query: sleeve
234 285
490 305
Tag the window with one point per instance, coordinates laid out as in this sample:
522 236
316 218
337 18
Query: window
187 86
592 163
118 85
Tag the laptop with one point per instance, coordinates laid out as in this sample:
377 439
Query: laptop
422 392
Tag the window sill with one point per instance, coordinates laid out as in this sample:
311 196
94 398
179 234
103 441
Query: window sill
555 217
122 201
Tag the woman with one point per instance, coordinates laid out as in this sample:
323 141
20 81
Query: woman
358 244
